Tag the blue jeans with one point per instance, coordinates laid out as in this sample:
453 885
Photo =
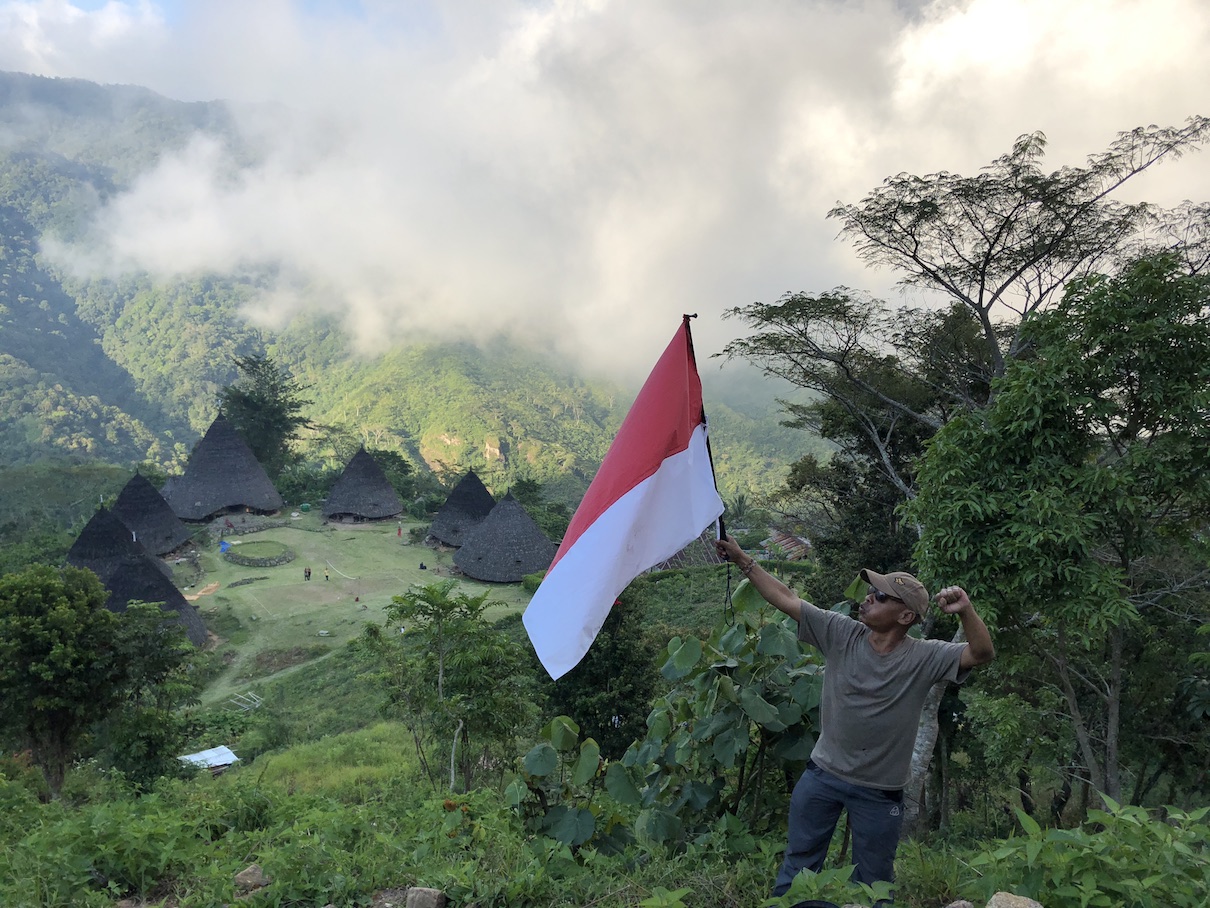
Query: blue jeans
875 819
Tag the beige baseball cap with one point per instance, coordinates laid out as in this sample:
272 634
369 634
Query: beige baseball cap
902 586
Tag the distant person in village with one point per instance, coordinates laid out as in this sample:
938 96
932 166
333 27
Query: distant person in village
306 573
874 688
326 577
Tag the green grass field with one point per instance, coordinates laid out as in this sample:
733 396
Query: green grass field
269 619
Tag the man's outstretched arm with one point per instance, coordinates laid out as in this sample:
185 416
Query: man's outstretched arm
776 593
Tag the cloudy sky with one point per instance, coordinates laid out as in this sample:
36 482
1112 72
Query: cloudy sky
590 169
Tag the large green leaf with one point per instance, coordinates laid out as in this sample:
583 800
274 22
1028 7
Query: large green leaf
658 725
733 639
759 709
570 825
806 691
656 825
795 745
728 745
541 760
587 765
789 713
563 733
777 640
723 717
683 655
856 590
747 596
697 795
515 793
620 786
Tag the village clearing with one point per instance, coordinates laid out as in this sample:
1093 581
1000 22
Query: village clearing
268 620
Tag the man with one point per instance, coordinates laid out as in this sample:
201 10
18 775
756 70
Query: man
875 680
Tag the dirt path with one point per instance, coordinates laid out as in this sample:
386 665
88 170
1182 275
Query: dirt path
204 591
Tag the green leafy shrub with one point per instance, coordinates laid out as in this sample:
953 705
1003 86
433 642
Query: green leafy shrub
1123 857
561 792
835 885
740 720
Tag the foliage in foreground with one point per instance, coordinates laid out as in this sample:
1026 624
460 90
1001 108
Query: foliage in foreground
456 682
68 662
1123 856
375 827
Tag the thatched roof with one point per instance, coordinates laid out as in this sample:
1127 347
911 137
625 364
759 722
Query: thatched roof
363 491
139 581
506 546
106 542
106 547
147 514
222 475
466 507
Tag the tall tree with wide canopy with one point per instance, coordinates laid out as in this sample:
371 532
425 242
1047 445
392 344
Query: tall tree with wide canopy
997 247
266 407
1010 239
1076 505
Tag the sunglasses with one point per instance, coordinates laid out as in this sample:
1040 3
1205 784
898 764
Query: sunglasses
880 596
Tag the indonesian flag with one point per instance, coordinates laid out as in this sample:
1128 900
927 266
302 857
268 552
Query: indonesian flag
653 495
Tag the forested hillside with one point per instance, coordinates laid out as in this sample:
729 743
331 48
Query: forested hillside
126 368
66 145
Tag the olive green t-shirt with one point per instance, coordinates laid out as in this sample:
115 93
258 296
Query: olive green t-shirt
871 701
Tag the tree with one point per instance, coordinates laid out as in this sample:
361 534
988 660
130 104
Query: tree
458 683
1011 238
399 472
878 407
1000 246
265 406
1076 505
67 662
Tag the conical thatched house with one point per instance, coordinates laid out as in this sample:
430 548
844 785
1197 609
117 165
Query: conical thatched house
147 514
467 506
222 475
506 546
104 543
139 581
362 492
130 573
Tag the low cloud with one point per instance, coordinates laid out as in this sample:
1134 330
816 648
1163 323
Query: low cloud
582 173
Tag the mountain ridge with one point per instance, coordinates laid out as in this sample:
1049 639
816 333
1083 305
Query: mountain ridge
126 369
